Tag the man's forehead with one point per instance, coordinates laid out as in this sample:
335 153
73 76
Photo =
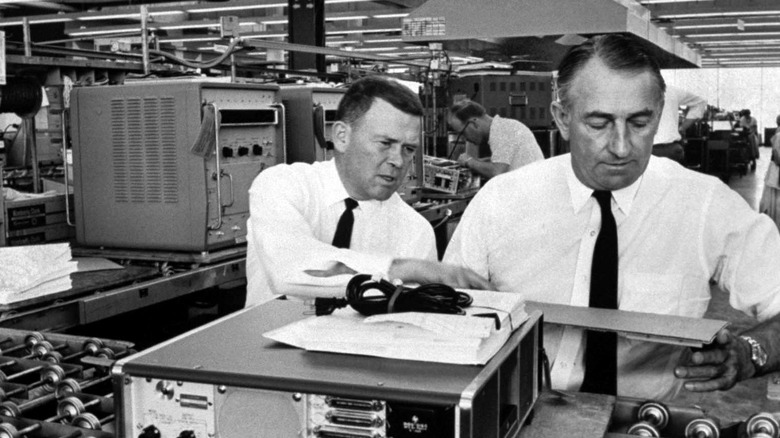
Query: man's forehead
597 85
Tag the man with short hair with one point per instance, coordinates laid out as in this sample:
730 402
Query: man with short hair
611 226
512 144
313 226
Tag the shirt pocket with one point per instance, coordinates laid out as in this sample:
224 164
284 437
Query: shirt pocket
668 294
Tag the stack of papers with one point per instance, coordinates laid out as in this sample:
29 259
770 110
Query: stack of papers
34 270
431 337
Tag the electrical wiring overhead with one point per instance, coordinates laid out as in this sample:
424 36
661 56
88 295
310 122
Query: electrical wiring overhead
232 48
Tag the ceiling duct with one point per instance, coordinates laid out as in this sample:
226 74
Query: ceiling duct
537 32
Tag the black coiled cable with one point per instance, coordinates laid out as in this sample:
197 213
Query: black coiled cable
430 298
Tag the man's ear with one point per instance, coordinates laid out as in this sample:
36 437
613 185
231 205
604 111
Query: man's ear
562 118
340 133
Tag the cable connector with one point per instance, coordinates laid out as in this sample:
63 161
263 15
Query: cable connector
325 306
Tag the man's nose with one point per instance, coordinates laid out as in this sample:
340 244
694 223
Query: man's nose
619 143
395 155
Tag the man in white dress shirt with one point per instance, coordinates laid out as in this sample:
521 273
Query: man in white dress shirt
667 140
534 231
295 209
512 144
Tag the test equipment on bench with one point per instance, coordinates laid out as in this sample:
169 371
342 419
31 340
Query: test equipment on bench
310 116
166 165
225 380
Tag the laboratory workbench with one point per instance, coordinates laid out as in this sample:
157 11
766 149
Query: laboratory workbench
98 295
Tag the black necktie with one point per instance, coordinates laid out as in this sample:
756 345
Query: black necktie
601 348
344 228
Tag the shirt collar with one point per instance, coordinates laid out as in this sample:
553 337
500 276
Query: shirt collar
336 192
580 193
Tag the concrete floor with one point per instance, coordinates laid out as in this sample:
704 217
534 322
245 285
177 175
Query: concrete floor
751 186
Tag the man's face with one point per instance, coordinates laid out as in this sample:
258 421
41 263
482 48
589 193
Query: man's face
376 150
469 129
610 122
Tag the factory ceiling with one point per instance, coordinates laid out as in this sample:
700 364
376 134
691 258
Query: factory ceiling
720 33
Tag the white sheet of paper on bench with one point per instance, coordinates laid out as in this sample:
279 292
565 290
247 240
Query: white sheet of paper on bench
458 339
652 327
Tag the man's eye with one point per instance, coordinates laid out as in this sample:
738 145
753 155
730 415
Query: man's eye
410 150
598 125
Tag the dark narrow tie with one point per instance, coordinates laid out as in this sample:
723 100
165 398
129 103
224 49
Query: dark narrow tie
343 234
601 348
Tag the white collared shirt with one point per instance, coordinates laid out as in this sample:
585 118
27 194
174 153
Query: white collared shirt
512 143
669 126
532 231
294 210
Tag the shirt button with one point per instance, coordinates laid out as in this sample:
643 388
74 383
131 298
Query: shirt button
592 233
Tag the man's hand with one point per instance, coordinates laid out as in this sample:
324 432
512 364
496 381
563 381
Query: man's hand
425 272
719 365
464 158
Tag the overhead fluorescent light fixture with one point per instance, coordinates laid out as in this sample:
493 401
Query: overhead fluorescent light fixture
774 46
104 31
718 14
97 16
716 26
738 42
266 35
730 34
398 15
347 18
236 8
367 30
274 21
740 61
189 40
186 26
654 2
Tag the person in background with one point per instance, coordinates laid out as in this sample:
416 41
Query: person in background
750 124
770 199
667 141
611 226
512 144
312 226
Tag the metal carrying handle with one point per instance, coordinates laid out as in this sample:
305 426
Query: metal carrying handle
65 170
232 193
218 174
282 123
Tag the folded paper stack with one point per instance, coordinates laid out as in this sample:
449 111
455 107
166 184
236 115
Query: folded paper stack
470 339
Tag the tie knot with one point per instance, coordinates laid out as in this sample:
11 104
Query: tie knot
350 203
603 197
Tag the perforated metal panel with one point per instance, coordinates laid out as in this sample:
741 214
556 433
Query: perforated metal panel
143 144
